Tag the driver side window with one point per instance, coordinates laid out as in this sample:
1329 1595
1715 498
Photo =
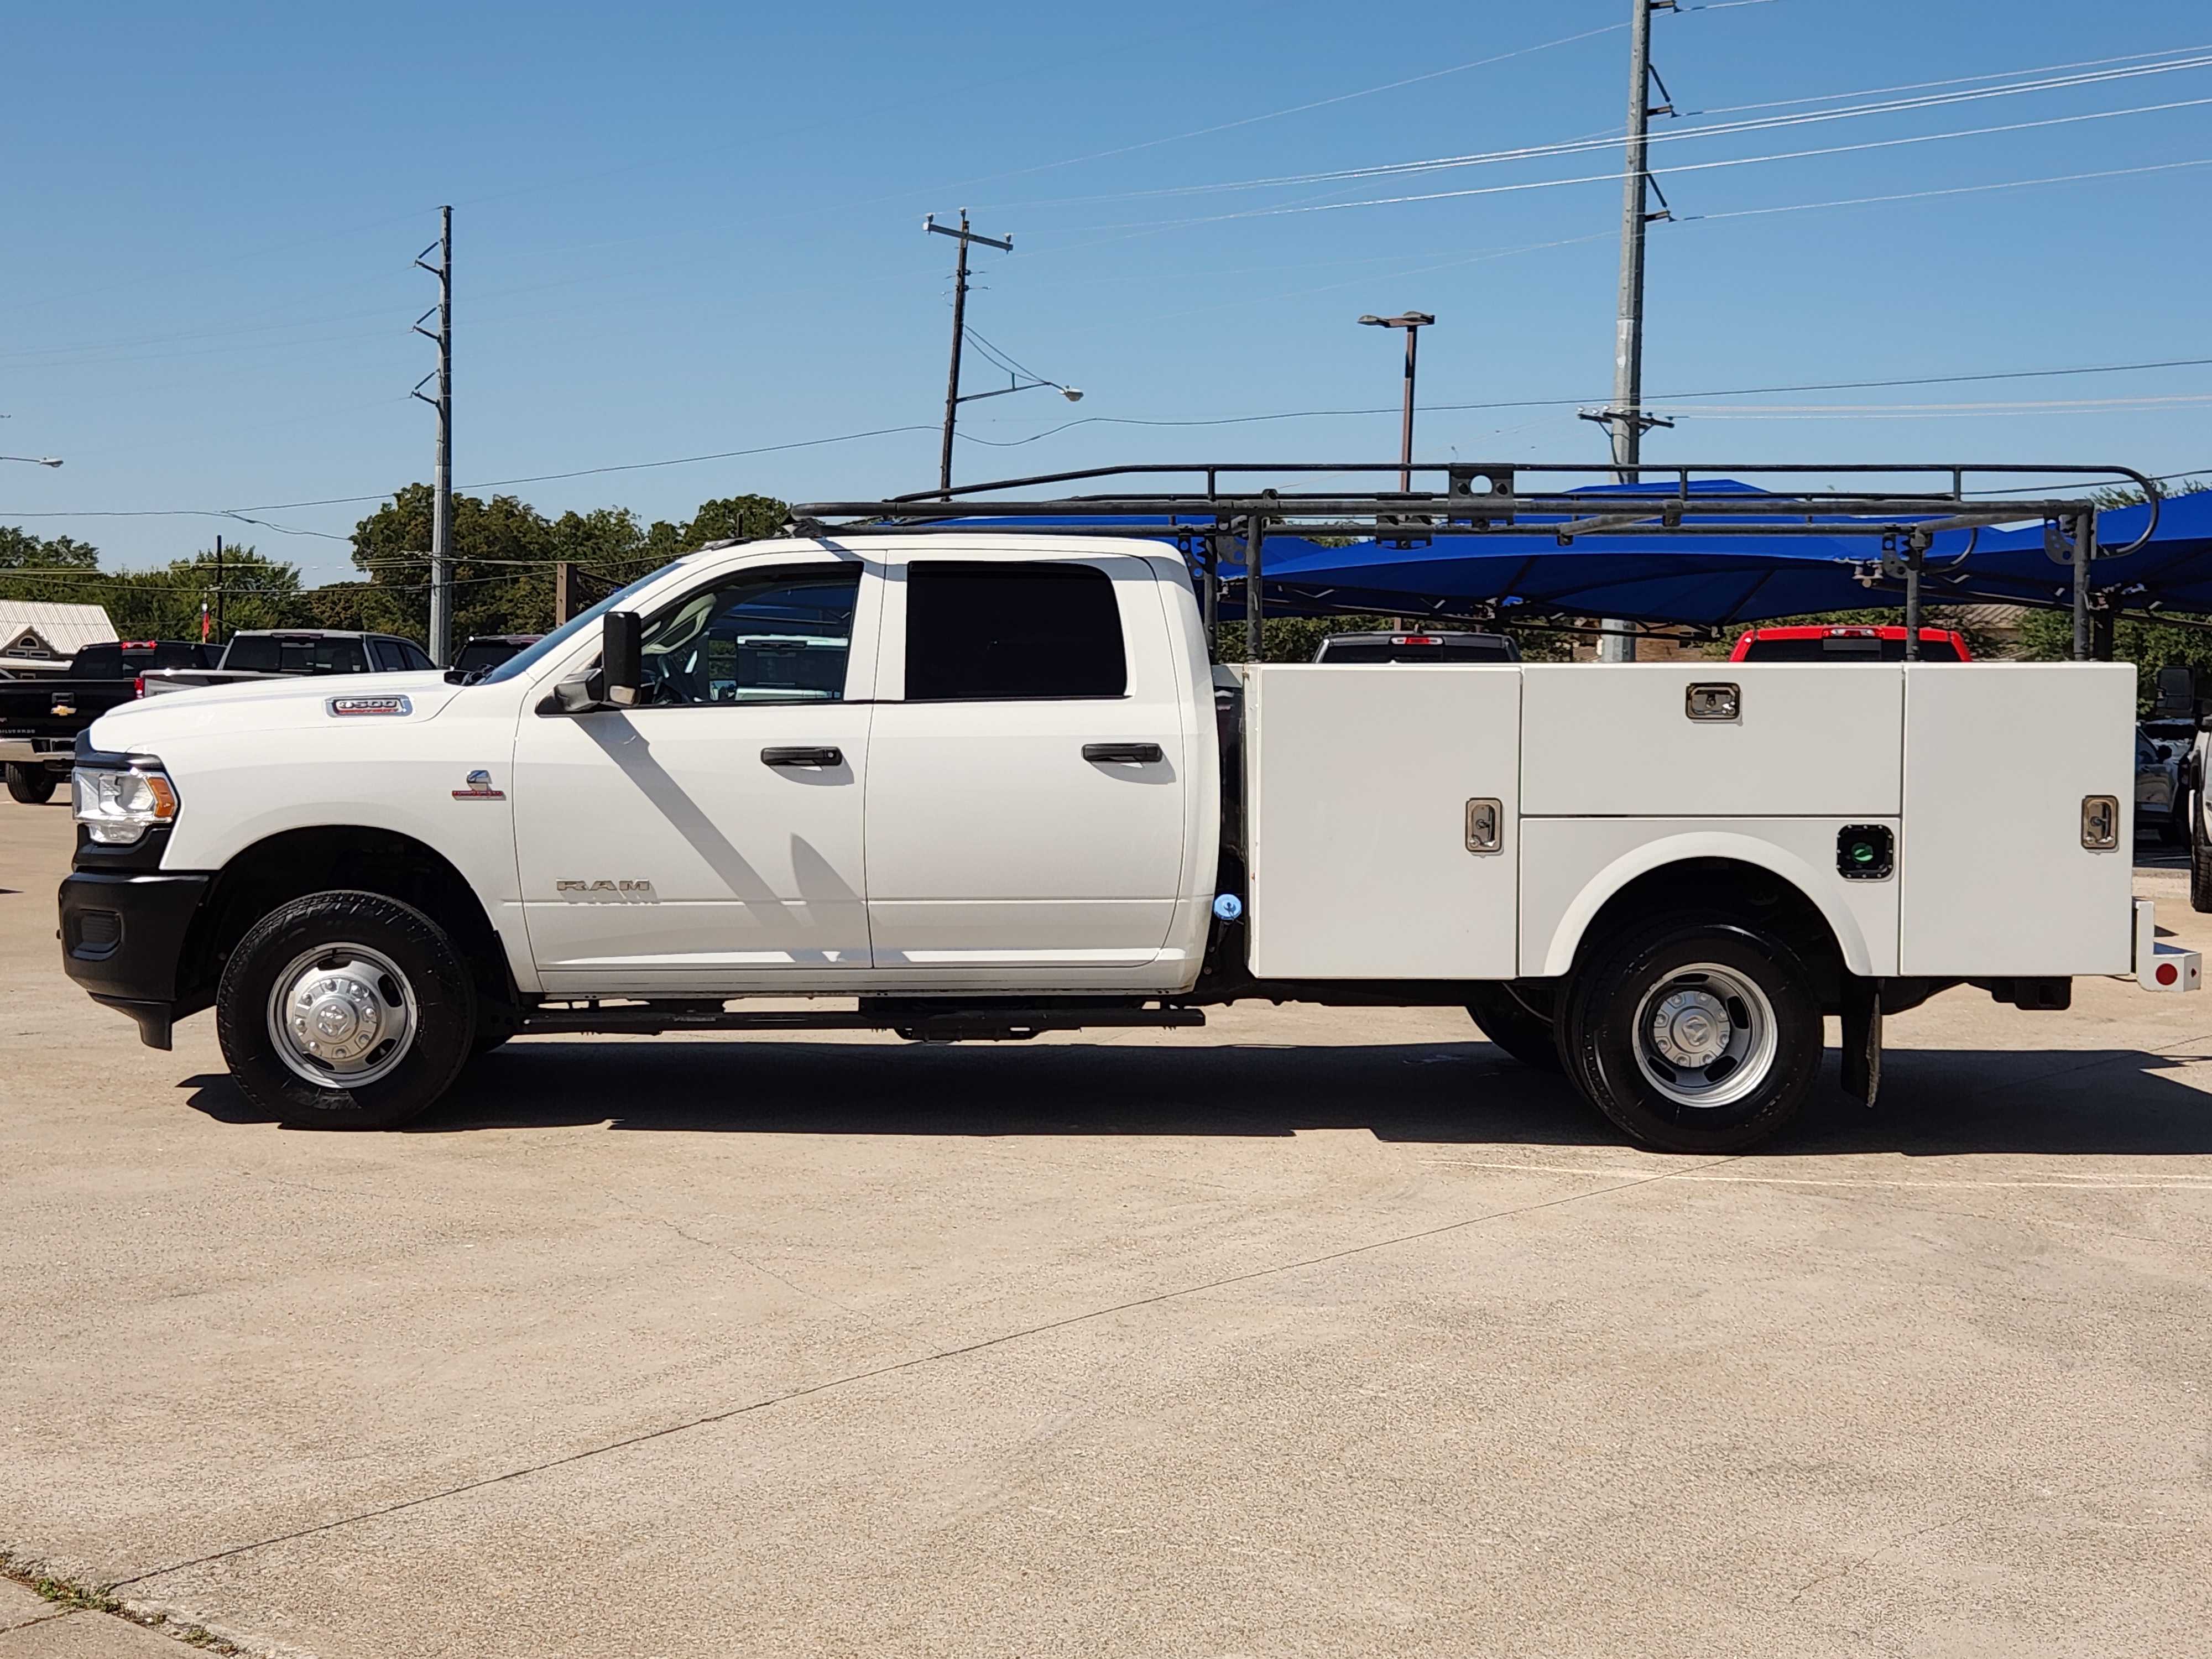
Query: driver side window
779 636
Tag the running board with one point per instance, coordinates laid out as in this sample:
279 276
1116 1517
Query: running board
917 1020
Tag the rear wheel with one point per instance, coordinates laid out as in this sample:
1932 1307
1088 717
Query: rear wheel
345 1011
33 785
1692 1036
2200 857
1516 1016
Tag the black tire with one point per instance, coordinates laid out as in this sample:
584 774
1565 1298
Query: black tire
2200 858
1516 1016
33 785
1746 998
364 952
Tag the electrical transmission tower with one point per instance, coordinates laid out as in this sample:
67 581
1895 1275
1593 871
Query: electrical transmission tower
441 506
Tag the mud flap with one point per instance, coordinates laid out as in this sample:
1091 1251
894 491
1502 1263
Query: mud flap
1862 1013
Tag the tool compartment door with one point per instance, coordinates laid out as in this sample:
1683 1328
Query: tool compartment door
1358 781
1800 740
1998 759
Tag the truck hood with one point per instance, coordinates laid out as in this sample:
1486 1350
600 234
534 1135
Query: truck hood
274 705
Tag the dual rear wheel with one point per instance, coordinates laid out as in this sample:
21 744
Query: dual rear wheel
1692 1036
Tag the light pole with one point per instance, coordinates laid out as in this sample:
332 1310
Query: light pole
32 460
1413 322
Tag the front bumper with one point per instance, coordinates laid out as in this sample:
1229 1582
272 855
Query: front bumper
123 938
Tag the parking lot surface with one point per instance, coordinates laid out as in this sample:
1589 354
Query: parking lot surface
1312 1333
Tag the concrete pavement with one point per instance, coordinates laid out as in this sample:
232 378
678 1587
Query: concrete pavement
1312 1333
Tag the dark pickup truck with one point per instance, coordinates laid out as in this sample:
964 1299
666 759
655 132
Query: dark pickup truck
40 714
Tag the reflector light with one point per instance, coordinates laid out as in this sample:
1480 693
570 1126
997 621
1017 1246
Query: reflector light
2167 973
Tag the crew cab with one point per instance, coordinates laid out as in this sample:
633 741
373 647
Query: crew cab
263 653
40 715
985 784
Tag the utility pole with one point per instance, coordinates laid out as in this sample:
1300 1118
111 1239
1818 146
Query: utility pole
1626 418
218 587
959 330
441 507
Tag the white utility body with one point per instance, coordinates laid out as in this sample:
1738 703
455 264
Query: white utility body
990 784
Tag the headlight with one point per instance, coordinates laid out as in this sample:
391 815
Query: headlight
118 807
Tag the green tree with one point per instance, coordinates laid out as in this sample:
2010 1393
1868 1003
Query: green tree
52 570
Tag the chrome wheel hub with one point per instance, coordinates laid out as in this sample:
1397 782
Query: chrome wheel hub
341 1015
1706 1036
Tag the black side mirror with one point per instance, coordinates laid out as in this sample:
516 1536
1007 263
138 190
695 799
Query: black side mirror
621 657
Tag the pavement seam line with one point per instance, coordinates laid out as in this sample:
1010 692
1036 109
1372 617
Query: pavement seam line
1000 1341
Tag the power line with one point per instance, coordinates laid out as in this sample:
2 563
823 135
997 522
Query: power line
1585 146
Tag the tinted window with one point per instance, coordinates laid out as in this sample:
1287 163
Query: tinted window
1011 630
765 636
415 656
267 653
98 662
387 654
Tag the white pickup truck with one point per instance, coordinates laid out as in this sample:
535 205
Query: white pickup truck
983 785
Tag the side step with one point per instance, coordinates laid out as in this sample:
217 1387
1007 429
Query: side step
919 1019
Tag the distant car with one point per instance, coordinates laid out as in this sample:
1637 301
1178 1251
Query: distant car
40 714
1417 647
2161 803
284 652
487 650
1851 643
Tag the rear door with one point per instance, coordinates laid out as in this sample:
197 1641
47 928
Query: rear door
1029 768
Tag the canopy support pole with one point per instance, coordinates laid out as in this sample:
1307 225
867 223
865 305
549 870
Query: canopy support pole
1255 532
1915 554
2085 549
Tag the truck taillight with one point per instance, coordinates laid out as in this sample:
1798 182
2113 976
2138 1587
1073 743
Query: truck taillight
138 686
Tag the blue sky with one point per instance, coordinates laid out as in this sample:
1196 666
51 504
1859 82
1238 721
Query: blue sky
683 230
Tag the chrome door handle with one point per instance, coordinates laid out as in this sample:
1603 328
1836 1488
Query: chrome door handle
1127 754
802 758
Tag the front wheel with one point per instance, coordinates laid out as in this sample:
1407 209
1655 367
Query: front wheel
33 785
1692 1036
345 1011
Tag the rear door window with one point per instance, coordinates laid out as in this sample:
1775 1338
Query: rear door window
999 632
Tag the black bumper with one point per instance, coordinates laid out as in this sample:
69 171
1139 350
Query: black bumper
123 938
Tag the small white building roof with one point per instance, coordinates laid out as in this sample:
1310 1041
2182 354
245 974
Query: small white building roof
33 630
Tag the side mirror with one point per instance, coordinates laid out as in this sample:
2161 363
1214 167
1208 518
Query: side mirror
621 656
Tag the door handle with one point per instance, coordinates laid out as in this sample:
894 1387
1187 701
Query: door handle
1128 754
802 758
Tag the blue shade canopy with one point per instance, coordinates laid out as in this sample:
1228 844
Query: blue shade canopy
1708 581
2173 568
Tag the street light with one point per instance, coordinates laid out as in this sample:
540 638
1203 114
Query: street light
1066 392
1413 322
32 460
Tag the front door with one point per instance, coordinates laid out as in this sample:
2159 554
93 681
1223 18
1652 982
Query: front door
1028 772
708 840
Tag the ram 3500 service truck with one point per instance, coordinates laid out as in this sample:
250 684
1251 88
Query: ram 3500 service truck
986 785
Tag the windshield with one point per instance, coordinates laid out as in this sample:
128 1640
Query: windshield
523 661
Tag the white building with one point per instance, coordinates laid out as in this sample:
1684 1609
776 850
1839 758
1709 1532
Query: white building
35 636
